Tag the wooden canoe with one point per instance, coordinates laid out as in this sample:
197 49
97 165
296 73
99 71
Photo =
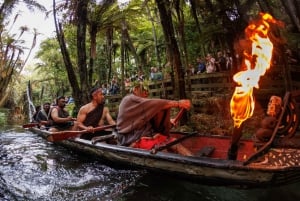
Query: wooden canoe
278 165
274 163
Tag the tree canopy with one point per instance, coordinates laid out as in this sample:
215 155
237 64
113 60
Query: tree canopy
99 40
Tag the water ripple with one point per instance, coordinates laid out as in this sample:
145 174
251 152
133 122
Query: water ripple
33 169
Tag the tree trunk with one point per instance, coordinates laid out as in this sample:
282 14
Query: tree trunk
67 61
123 57
291 8
194 14
129 42
81 13
158 59
181 35
93 35
109 46
172 47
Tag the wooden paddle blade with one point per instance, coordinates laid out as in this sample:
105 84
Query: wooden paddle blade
177 118
30 125
64 135
170 144
179 115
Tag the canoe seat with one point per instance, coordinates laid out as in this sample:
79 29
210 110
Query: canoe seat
205 151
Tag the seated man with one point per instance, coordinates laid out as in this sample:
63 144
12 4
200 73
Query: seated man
144 123
37 109
94 114
43 116
60 117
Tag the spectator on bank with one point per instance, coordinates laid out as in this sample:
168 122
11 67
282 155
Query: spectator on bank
191 70
70 100
127 84
220 62
228 60
155 74
210 64
140 76
114 88
108 89
104 89
152 73
200 65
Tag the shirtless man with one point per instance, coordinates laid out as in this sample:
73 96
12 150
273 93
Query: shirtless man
94 113
143 122
61 119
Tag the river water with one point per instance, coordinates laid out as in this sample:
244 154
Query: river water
33 169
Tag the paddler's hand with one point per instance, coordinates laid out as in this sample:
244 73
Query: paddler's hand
43 122
90 129
184 103
70 118
173 123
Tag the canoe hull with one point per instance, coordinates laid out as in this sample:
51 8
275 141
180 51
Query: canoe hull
198 169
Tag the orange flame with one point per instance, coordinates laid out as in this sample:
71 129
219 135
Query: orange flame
242 102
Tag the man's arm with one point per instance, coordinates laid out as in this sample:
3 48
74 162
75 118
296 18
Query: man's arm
108 117
184 103
57 119
81 116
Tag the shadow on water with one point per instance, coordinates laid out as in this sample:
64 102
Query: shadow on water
153 187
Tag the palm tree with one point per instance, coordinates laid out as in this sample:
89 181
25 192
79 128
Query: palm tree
11 45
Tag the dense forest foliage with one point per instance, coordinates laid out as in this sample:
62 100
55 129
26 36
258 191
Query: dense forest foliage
100 41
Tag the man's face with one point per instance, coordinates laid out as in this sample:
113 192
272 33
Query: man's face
138 91
274 106
46 107
98 96
61 102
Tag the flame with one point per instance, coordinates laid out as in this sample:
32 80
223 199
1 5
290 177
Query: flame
242 102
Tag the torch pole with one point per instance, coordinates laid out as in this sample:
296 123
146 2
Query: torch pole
235 138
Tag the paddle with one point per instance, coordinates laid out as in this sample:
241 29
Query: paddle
63 135
178 116
170 144
30 125
176 119
34 124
